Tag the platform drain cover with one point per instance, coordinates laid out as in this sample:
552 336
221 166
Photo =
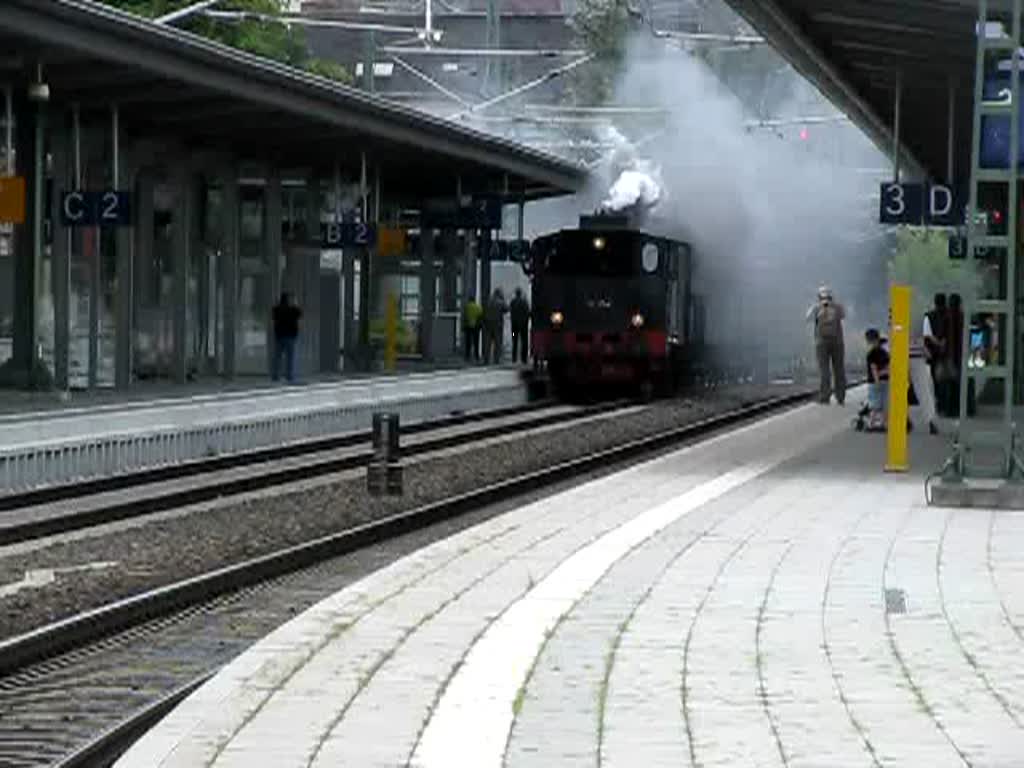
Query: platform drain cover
895 601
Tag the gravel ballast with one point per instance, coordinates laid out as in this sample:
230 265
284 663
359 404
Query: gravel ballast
127 560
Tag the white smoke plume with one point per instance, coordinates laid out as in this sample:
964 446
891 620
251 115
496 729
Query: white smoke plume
770 216
634 187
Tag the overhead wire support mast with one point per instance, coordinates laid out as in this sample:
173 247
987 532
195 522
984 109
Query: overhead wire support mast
431 82
546 77
977 370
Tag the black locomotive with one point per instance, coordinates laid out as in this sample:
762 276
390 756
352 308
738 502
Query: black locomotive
612 304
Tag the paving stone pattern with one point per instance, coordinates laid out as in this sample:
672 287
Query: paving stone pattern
208 536
752 630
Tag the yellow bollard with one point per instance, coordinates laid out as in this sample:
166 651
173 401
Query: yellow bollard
391 334
899 379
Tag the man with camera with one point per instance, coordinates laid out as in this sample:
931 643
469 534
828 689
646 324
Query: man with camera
828 317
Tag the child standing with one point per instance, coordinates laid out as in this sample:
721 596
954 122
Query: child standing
878 379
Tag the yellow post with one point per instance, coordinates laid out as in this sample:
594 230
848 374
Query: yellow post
391 334
899 378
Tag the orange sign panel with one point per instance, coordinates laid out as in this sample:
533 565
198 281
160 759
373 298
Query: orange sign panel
12 199
390 241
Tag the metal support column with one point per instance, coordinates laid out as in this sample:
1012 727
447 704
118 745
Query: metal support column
493 71
484 255
229 271
896 137
24 368
951 137
369 57
310 340
144 231
273 216
428 293
449 270
181 245
521 219
977 435
469 270
61 258
365 275
92 251
124 305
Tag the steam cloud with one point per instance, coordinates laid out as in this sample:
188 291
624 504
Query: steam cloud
770 217
632 188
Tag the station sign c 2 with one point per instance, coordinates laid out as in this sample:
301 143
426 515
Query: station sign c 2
934 205
106 208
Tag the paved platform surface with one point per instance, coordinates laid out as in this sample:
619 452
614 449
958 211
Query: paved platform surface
767 598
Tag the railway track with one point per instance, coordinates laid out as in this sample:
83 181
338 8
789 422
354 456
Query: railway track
65 689
67 508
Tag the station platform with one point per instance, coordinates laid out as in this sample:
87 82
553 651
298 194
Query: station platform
91 438
767 597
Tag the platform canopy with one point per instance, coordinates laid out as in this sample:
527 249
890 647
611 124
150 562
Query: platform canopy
857 51
167 82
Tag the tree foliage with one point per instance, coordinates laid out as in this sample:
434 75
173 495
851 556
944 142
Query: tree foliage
921 260
602 28
267 38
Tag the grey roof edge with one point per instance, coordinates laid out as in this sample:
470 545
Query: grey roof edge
805 56
107 33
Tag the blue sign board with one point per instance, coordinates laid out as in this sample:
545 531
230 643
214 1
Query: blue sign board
995 129
348 234
107 208
482 213
920 204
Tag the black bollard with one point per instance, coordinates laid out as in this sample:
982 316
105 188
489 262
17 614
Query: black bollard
384 474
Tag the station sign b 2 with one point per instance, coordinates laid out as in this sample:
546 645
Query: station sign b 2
935 205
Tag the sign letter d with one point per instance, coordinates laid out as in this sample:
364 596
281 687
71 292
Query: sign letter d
940 201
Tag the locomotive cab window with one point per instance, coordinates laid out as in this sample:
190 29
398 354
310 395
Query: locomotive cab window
650 258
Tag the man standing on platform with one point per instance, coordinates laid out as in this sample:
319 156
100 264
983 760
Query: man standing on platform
828 343
935 336
472 314
494 327
520 316
286 334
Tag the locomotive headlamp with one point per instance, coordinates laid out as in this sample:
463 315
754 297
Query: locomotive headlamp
598 243
557 318
637 320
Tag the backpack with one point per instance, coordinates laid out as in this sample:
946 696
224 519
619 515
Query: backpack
829 323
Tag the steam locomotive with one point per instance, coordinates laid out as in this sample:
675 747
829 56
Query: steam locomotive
613 305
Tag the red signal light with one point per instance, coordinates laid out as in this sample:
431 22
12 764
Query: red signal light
804 133
997 217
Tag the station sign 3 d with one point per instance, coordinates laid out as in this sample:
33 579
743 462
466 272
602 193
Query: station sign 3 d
935 205
105 208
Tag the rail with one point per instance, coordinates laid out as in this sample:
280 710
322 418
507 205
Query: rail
49 454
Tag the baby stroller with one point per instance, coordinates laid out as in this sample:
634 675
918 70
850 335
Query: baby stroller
870 419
